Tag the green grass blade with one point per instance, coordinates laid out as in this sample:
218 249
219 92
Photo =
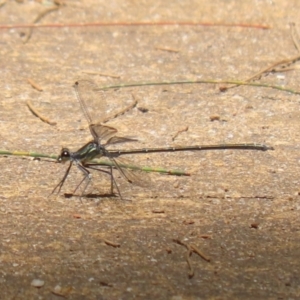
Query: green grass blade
29 154
95 161
145 169
208 81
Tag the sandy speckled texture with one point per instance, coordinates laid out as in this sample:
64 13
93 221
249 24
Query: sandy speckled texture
241 208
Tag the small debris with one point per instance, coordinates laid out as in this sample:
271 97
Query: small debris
190 250
123 111
223 88
77 216
158 211
180 131
214 118
68 195
168 49
37 19
34 85
38 114
205 236
37 283
169 250
196 250
143 109
188 222
59 2
2 3
251 254
109 243
61 291
176 184
254 225
287 284
101 74
105 284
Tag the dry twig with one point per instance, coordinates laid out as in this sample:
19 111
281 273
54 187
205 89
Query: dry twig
122 112
151 23
180 131
101 74
37 19
280 66
167 49
190 250
109 243
34 85
37 114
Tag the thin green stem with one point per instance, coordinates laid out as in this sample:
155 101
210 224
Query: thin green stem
208 81
95 161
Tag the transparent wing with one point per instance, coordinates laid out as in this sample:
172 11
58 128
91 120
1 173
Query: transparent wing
100 132
131 172
90 100
101 106
118 140
97 110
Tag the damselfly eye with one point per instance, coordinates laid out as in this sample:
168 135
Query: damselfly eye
65 152
64 155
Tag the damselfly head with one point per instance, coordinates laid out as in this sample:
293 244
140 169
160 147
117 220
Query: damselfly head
64 155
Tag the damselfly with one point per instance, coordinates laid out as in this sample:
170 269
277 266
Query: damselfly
104 136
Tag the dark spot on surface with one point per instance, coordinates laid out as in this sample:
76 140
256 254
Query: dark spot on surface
254 225
143 109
